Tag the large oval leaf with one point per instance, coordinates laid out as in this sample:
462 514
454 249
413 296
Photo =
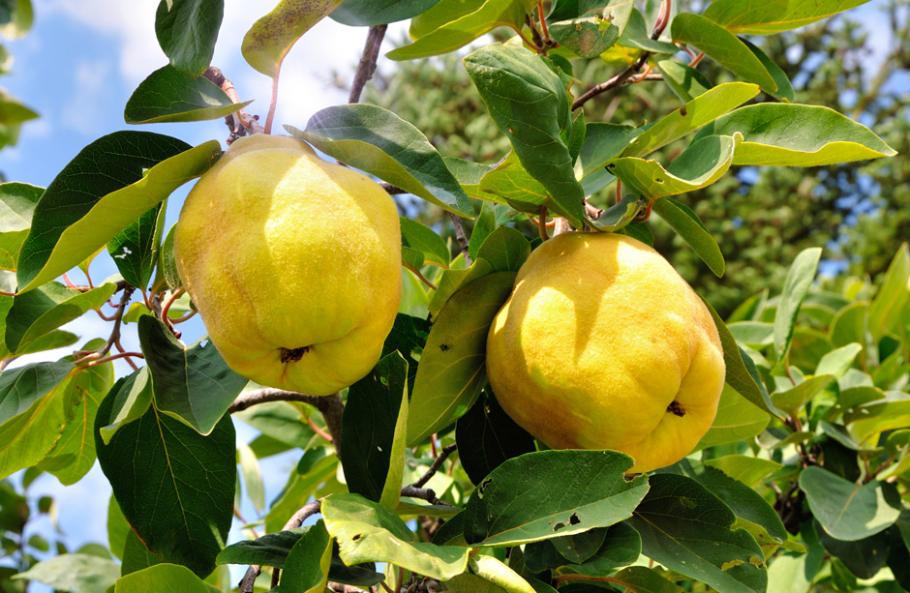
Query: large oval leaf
788 135
550 494
17 203
381 143
691 229
174 486
451 370
187 31
109 184
169 95
773 16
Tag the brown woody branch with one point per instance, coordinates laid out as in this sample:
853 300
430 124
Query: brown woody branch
367 66
663 18
240 123
330 405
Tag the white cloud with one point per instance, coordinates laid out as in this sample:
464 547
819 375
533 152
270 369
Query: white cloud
85 109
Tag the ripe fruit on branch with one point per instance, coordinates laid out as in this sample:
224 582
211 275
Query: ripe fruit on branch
293 263
602 345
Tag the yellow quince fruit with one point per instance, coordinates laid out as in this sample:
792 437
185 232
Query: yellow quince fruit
293 263
602 345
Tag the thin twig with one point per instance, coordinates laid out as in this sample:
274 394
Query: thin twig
542 223
239 123
437 463
367 66
544 30
96 361
416 271
427 494
115 333
460 236
330 405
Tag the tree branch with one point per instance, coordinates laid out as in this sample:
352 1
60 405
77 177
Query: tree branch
367 65
330 405
460 236
239 123
437 463
663 18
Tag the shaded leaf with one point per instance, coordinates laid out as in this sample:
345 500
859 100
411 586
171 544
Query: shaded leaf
689 530
487 437
737 420
174 486
194 386
306 569
542 495
365 13
135 248
17 202
169 95
451 371
796 287
187 31
846 510
689 227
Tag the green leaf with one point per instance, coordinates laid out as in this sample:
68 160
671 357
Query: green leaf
194 386
505 249
454 279
685 82
253 485
117 528
742 375
548 494
451 371
789 135
849 511
603 143
270 38
743 468
112 182
367 532
381 143
766 17
74 454
162 577
174 486
269 550
745 502
37 313
723 47
698 112
793 399
487 437
637 35
784 86
587 37
530 105
644 580
169 95
703 163
892 296
131 397
314 470
19 19
187 31
423 239
689 530
737 420
621 547
511 184
167 264
366 13
74 572
372 451
17 202
464 29
135 248
306 569
493 570
837 362
796 287
32 413
687 225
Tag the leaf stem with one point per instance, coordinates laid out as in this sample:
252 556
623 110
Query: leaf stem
273 104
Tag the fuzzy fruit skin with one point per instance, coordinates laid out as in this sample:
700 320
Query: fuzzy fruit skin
282 250
600 336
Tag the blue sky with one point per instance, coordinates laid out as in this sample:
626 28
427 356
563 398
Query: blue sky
77 68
